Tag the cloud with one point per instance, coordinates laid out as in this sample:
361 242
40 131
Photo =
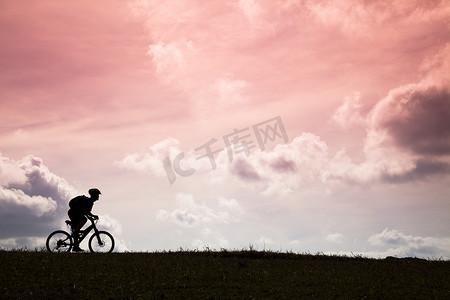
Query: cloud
349 113
37 204
335 238
210 240
408 131
152 159
436 66
165 159
229 90
265 241
422 168
417 118
408 139
251 9
171 58
30 243
244 170
186 47
29 184
194 47
190 213
114 227
356 18
286 168
32 198
233 21
34 202
302 164
231 208
399 244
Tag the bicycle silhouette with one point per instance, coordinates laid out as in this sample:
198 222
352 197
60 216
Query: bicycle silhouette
62 241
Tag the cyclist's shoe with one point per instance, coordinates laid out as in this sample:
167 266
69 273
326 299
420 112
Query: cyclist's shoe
77 249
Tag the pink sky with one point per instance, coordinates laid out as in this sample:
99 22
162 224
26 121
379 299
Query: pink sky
99 93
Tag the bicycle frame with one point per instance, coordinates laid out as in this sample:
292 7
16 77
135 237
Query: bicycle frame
85 233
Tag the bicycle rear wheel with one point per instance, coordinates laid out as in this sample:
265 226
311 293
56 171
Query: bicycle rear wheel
103 242
59 241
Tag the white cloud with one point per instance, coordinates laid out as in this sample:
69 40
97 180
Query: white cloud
251 9
230 91
265 241
10 172
349 113
113 226
29 243
152 159
171 58
37 204
231 205
110 224
396 243
335 238
190 213
166 159
210 240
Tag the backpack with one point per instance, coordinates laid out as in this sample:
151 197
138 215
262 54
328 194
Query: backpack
77 202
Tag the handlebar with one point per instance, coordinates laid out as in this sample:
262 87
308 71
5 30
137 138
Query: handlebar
93 219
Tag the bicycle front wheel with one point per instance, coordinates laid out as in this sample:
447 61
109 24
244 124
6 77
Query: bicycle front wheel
101 242
59 241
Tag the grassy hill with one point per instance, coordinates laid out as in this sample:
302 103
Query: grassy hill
218 275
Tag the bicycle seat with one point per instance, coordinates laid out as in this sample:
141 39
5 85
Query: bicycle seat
68 222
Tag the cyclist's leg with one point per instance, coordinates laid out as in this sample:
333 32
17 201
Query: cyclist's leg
78 221
76 236
79 224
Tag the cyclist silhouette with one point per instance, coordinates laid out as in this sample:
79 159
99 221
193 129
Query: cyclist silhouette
80 208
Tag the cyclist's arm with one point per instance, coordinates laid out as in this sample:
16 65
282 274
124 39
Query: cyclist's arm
89 214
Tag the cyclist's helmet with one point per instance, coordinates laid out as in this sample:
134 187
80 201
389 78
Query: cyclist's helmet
94 192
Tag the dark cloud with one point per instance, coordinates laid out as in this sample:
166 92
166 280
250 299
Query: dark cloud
423 122
284 165
423 168
40 182
184 217
245 171
33 200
